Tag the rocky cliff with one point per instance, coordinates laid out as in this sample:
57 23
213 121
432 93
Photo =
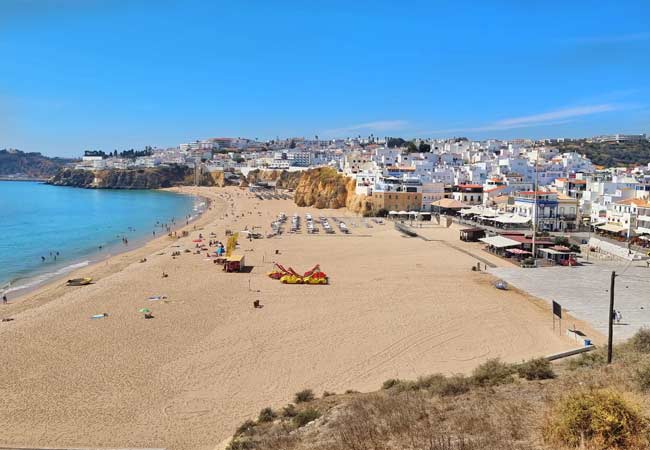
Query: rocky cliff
326 188
283 179
29 165
154 178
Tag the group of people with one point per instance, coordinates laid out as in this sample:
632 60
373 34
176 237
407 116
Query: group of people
53 255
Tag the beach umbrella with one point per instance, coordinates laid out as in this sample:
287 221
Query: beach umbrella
144 310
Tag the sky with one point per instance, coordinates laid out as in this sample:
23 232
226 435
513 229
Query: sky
77 75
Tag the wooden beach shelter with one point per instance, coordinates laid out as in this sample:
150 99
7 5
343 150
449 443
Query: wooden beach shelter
234 263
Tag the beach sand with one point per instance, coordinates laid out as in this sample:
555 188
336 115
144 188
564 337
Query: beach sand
396 307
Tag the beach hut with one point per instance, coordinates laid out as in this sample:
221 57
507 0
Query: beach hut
234 263
472 234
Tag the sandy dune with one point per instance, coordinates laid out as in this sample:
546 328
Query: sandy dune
396 307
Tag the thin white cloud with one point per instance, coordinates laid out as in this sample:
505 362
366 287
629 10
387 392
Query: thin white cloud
558 114
378 126
631 37
556 117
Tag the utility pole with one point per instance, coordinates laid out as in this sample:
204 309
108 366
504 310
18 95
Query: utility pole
611 319
535 188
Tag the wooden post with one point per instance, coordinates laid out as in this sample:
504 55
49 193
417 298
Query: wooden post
611 319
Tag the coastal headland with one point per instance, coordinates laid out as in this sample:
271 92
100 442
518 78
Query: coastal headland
396 307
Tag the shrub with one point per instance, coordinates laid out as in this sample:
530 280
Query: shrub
240 444
493 372
391 382
289 410
245 428
351 391
454 385
642 377
267 415
306 395
536 369
641 340
588 360
430 381
304 417
328 394
601 417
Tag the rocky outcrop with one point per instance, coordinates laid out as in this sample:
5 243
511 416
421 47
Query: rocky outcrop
326 188
153 178
283 178
29 165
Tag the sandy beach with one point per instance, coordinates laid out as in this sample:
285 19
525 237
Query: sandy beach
396 307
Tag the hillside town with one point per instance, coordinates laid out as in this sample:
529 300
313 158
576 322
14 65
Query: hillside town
498 183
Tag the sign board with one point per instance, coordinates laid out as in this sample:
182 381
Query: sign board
557 309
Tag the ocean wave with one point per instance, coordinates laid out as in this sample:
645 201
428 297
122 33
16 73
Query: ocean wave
19 284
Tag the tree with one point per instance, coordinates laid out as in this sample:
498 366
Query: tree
411 147
396 142
292 144
424 147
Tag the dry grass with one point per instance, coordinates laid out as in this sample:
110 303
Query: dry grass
529 406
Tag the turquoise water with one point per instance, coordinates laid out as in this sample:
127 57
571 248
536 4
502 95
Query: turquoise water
38 220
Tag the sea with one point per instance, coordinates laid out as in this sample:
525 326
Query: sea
48 231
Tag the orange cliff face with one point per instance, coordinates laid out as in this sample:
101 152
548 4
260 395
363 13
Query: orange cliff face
326 188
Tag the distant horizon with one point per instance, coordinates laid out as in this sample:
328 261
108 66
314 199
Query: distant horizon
407 139
160 73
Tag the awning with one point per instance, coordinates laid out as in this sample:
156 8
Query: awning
499 241
480 211
550 251
513 218
612 228
392 213
448 203
518 251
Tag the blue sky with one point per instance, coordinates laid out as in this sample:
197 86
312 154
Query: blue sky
114 74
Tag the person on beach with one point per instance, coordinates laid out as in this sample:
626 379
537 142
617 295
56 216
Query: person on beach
4 299
43 258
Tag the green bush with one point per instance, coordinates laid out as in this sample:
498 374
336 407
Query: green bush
588 360
245 428
641 340
600 417
306 395
430 381
304 417
267 415
493 372
642 377
454 385
391 382
536 369
240 444
289 410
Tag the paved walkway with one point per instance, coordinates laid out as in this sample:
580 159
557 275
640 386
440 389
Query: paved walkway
584 292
